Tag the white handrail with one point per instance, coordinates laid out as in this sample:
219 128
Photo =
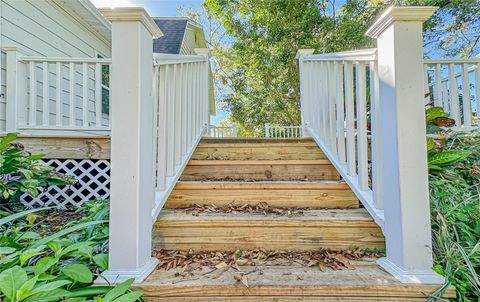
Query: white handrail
352 55
443 87
181 98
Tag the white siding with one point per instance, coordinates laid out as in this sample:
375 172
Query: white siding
188 43
45 29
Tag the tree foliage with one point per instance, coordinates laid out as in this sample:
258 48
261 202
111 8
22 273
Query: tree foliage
255 57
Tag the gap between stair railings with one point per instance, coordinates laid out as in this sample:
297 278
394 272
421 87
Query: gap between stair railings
334 94
181 99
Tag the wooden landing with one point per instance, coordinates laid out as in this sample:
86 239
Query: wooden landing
287 194
368 282
313 229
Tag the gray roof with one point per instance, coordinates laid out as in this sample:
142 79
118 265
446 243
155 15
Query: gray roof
173 31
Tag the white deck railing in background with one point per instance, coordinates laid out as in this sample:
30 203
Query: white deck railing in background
223 131
181 98
454 84
283 131
52 95
365 110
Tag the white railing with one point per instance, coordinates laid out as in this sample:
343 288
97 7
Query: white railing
454 84
181 98
223 131
283 131
337 93
365 110
49 95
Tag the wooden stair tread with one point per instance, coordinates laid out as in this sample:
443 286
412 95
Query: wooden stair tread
255 140
313 229
309 217
279 185
213 162
284 194
368 282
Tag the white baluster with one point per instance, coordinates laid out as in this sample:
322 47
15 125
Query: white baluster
466 98
45 96
32 121
362 143
454 103
331 107
98 94
58 94
170 118
350 119
340 113
72 95
438 86
85 95
477 92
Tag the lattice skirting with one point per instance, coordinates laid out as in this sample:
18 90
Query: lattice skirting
93 181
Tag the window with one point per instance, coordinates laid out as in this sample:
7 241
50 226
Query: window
105 87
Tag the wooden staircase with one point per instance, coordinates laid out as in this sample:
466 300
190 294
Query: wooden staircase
285 173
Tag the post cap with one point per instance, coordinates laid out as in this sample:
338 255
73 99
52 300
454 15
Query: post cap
399 13
304 52
130 14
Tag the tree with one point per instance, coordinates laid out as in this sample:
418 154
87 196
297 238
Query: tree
255 45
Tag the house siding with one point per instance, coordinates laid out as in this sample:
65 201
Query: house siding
188 43
43 28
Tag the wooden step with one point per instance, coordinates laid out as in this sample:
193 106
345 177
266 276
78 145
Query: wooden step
258 149
368 282
313 229
315 195
262 170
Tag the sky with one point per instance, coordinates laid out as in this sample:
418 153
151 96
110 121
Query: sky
155 8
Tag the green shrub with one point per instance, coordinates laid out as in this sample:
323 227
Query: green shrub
22 172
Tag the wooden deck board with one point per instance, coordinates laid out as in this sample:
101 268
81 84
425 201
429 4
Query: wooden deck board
368 282
318 195
336 229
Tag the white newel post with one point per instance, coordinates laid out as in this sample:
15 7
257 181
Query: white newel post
301 73
16 92
132 188
404 154
205 82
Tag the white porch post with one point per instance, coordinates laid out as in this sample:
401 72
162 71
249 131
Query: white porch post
16 89
205 52
404 161
300 53
132 186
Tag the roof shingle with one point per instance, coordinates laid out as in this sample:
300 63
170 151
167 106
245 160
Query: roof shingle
173 32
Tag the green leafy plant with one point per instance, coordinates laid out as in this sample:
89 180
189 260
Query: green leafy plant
57 266
22 172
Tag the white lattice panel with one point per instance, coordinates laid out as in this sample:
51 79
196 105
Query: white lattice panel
93 181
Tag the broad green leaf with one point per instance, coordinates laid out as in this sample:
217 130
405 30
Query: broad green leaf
76 300
26 289
5 250
434 112
48 296
447 157
36 156
90 291
74 247
430 144
44 264
66 231
19 215
50 286
11 280
101 260
78 272
7 139
130 297
118 290
26 255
